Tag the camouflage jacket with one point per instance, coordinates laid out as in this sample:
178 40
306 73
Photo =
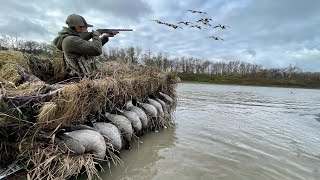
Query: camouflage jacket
79 55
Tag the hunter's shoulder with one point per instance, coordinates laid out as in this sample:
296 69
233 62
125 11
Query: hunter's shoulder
71 39
70 44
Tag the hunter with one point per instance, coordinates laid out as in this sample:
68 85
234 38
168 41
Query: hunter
79 55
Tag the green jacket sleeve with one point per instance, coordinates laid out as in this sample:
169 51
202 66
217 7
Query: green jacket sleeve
78 46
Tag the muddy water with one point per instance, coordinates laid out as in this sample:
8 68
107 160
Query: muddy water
231 132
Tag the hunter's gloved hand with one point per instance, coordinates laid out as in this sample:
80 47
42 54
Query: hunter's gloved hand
97 33
112 34
104 39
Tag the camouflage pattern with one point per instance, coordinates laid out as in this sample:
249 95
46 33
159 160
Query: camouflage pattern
82 66
79 54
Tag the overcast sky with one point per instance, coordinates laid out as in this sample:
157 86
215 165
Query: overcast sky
273 33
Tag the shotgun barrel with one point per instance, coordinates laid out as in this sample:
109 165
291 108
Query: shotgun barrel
88 35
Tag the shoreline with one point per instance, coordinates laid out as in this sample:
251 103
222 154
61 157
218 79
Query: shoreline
247 81
297 87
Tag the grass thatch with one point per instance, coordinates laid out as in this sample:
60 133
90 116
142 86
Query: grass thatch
8 152
58 68
51 163
8 62
33 114
13 57
47 69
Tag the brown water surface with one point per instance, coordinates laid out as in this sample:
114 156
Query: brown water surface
231 132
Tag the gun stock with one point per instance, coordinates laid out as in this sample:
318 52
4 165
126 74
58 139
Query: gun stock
88 35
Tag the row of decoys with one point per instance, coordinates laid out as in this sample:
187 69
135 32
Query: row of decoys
118 129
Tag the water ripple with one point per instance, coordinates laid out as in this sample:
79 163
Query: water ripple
233 132
249 129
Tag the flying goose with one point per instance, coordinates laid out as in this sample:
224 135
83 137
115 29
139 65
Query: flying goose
185 22
197 26
196 11
221 26
215 38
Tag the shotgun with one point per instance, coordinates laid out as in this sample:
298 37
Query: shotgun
88 35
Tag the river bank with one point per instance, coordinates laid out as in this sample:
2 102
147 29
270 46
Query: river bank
251 81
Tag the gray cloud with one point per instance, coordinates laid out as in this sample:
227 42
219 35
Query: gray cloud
132 10
47 17
271 33
266 24
22 27
270 28
252 52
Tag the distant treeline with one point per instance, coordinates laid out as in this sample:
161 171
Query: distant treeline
190 65
181 65
27 46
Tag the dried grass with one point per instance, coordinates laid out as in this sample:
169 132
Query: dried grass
73 104
50 70
58 68
8 152
23 89
13 57
10 73
8 65
46 112
50 163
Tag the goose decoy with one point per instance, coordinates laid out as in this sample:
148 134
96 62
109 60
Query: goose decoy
133 118
142 115
91 140
166 97
110 132
132 105
124 125
157 105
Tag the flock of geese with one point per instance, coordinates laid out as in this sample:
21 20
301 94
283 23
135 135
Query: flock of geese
117 129
202 23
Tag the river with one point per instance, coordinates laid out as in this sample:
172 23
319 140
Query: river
231 132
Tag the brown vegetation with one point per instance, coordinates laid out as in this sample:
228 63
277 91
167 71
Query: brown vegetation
32 111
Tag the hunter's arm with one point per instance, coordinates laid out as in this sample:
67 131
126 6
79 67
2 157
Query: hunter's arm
104 39
75 44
